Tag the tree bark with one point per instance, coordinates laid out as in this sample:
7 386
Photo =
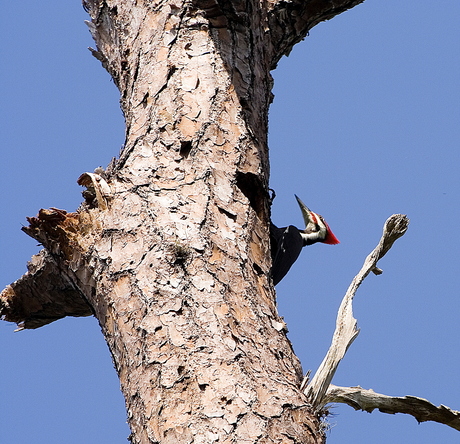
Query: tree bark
170 250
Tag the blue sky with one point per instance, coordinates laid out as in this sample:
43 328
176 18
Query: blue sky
365 123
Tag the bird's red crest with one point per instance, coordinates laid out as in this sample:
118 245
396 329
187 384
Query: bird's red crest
330 237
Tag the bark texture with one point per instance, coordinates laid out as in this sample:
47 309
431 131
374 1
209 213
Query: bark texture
170 250
43 295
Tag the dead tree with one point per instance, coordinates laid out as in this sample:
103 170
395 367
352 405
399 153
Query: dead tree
170 248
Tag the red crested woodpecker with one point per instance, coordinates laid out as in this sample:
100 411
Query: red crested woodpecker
287 242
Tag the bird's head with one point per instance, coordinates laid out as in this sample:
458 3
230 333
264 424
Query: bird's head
316 228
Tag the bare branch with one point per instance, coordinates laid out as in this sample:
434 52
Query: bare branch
346 329
368 400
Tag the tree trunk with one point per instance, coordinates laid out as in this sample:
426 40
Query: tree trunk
170 249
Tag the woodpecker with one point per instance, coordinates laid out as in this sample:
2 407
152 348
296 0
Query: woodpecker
287 242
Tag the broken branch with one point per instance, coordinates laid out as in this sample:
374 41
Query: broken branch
43 295
346 329
421 409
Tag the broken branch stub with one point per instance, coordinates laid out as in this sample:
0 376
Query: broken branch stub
346 329
43 295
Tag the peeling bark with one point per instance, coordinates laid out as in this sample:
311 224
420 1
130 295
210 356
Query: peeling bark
170 250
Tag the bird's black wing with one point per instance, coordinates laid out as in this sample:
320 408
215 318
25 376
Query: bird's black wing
286 246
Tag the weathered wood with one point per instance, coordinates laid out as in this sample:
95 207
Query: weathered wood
368 400
346 329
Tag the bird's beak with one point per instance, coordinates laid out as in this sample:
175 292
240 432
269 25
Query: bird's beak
307 214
